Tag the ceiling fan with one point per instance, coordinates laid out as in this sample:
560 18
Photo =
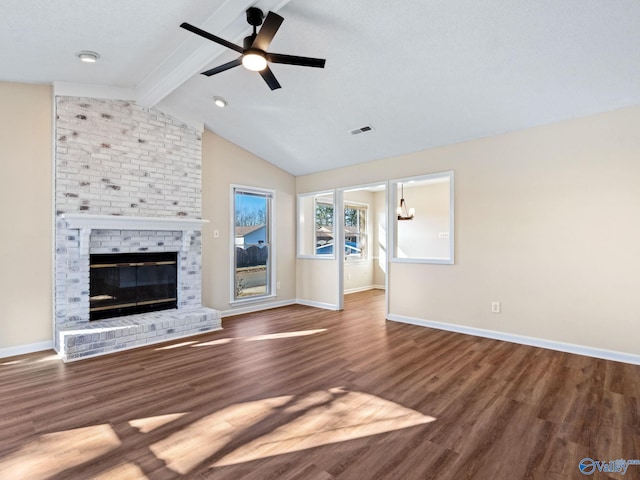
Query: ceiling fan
254 51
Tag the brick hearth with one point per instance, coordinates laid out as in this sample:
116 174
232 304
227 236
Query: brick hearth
106 336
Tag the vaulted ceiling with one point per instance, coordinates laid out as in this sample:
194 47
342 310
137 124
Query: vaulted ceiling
421 73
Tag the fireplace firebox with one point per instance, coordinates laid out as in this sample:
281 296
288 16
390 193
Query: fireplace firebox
127 283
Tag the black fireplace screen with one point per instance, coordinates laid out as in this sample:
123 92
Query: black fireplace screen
128 283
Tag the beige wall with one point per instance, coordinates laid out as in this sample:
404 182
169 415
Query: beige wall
547 222
26 212
317 282
223 164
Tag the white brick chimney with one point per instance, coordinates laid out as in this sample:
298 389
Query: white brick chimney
128 180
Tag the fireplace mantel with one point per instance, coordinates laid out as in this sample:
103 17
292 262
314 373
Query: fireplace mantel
88 222
121 222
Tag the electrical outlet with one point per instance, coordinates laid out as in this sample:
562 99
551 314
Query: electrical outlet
495 307
216 233
277 285
348 276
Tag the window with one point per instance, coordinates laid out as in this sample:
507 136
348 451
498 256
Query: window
355 231
253 245
316 225
424 222
324 228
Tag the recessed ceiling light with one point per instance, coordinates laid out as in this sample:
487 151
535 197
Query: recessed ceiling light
88 57
220 102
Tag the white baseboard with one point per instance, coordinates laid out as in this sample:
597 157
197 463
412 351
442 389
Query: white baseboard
311 303
364 289
257 308
24 349
522 339
284 303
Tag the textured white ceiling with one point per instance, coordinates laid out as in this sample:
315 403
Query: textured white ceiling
39 39
423 73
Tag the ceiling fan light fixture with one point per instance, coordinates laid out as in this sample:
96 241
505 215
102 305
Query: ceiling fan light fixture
254 60
88 57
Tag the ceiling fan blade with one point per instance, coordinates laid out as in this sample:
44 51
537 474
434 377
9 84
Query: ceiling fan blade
270 78
213 38
222 68
267 31
294 60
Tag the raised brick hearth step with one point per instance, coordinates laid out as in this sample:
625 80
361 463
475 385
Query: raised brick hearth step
115 334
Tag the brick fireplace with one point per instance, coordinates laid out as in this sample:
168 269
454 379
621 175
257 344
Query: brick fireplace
127 181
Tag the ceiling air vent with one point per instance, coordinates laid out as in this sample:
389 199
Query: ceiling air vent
357 131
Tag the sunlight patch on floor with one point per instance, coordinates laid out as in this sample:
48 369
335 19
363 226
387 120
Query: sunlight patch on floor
176 345
256 338
323 421
192 445
48 358
148 424
124 471
55 452
272 336
220 341
13 362
275 426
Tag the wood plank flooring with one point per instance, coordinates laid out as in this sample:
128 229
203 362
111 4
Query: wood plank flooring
302 393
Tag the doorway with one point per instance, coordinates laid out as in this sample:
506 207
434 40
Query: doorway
363 222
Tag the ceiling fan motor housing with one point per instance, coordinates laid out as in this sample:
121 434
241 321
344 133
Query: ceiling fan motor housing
254 16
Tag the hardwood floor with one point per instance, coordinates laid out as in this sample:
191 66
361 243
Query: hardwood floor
301 393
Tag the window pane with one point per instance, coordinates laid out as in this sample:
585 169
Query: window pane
252 244
252 277
355 231
324 227
315 224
